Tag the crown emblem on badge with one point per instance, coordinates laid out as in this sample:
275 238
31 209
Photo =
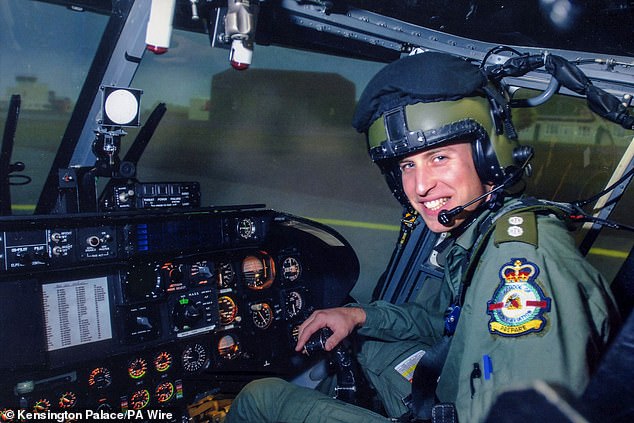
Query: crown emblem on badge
518 272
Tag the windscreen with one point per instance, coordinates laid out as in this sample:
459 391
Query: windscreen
576 155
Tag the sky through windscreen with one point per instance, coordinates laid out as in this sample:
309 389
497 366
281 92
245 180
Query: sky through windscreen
56 45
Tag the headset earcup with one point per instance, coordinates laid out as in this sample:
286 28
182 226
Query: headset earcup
486 162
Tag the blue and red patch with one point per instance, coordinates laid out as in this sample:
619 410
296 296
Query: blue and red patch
518 304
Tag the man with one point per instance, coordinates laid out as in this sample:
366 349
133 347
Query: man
517 302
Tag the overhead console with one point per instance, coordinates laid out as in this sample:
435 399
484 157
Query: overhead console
125 311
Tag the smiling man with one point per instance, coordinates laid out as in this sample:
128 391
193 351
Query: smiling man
517 302
439 179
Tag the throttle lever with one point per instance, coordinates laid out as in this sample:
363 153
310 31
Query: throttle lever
317 341
341 359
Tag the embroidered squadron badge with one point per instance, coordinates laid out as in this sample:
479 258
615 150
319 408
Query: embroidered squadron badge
518 304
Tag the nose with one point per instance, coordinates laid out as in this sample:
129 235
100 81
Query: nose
424 180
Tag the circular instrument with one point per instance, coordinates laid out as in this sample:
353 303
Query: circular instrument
227 310
194 358
187 313
225 275
228 347
164 392
67 400
41 405
262 315
137 368
293 303
139 399
246 228
291 269
99 378
162 361
171 277
258 271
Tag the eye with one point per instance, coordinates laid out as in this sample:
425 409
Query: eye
406 165
439 158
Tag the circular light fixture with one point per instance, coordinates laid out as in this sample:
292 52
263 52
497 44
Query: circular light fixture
120 106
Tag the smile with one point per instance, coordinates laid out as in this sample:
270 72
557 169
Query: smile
435 204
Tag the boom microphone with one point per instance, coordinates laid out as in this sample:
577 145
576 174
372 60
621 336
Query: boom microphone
446 217
522 154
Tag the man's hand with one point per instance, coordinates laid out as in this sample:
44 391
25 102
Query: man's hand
341 321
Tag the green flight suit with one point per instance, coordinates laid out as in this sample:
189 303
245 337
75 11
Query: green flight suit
534 309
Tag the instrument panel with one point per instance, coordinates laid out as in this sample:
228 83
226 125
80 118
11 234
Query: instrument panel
139 311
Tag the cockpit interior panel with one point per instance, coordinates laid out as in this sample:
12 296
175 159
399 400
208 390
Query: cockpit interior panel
119 293
137 310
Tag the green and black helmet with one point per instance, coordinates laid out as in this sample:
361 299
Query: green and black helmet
429 99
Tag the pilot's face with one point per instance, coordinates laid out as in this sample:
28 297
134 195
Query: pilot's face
439 179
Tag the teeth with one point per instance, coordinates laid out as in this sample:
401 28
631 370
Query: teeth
436 204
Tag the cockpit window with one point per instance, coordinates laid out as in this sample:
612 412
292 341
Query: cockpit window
46 55
576 154
278 134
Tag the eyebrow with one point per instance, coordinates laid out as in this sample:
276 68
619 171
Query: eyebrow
431 151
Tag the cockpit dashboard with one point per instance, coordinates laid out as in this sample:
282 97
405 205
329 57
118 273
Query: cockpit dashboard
132 311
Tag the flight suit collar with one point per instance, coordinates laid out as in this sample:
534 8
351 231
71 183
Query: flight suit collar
460 239
469 235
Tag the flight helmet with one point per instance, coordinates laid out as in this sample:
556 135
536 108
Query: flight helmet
428 99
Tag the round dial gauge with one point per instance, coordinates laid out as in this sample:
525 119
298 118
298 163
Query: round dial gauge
225 275
291 269
194 358
228 347
163 361
164 392
227 310
67 400
246 228
137 368
201 273
6 415
171 276
41 405
293 303
99 378
104 405
259 271
262 315
140 399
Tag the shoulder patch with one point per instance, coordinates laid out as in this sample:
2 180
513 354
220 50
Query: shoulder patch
518 304
518 227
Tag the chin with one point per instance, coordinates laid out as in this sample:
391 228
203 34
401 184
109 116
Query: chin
435 226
